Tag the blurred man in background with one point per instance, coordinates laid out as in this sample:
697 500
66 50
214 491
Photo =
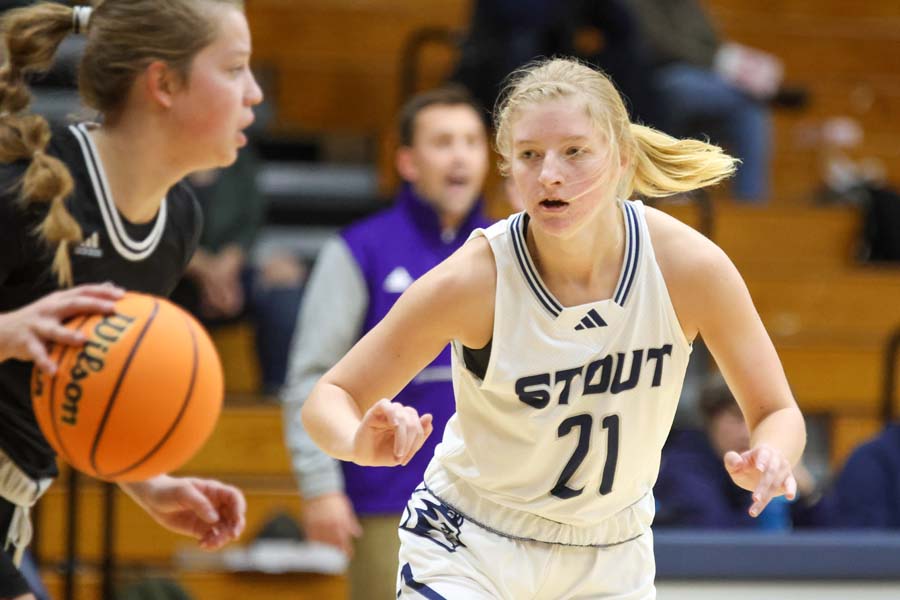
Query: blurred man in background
443 160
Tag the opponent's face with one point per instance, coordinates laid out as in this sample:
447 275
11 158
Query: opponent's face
448 159
215 106
562 168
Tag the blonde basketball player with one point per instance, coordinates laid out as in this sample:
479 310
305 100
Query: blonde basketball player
571 326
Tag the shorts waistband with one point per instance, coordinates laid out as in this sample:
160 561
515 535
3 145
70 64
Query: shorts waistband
628 524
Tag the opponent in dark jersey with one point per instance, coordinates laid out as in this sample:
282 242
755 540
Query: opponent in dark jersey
147 257
102 203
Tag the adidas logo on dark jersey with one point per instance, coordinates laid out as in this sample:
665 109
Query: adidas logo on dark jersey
591 321
90 246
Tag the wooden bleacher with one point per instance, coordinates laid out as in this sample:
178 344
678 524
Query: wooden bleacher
336 63
829 317
845 54
221 586
247 450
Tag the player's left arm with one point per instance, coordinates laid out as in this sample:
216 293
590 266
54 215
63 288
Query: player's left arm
712 300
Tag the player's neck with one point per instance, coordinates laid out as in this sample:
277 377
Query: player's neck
589 259
138 173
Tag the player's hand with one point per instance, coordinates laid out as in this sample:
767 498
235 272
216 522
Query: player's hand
389 435
208 510
25 333
763 471
330 519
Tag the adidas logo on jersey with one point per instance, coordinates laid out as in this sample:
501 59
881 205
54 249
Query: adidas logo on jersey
398 280
90 246
591 320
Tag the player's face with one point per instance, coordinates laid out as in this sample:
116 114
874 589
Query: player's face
214 108
562 167
448 160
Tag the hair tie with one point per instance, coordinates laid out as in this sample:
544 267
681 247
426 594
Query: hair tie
81 17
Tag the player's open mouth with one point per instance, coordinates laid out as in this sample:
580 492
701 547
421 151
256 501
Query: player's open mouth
553 204
457 181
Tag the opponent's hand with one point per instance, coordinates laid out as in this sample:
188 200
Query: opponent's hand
330 519
25 333
389 435
763 471
208 510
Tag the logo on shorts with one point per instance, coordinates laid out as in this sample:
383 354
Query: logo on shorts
430 518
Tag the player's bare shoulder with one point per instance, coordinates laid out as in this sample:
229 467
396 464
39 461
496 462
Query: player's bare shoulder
691 264
462 288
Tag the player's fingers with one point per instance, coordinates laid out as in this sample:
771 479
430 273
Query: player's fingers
790 487
193 499
379 416
108 291
734 462
426 421
38 354
761 458
50 330
414 433
412 451
400 432
767 488
79 305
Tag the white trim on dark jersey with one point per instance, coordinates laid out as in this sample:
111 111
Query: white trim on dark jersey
518 225
128 248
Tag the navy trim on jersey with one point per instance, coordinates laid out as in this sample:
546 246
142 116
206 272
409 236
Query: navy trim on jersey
517 231
517 227
407 575
128 248
632 255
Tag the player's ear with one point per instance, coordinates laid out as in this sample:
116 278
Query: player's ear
161 83
406 165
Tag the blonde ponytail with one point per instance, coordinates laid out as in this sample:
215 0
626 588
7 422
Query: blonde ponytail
31 36
664 165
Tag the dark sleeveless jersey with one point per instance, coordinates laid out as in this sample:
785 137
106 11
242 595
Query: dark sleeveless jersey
149 257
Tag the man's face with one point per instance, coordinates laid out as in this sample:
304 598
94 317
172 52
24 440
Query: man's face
448 159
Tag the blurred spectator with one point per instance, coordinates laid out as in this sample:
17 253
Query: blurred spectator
221 285
867 491
443 159
621 53
695 490
710 87
506 34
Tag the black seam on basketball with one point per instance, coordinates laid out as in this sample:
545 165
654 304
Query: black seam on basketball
177 420
115 391
51 397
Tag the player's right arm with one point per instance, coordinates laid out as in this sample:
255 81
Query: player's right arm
349 413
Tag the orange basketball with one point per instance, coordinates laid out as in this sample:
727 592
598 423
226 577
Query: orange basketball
138 399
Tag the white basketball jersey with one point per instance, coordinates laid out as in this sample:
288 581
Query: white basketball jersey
561 439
